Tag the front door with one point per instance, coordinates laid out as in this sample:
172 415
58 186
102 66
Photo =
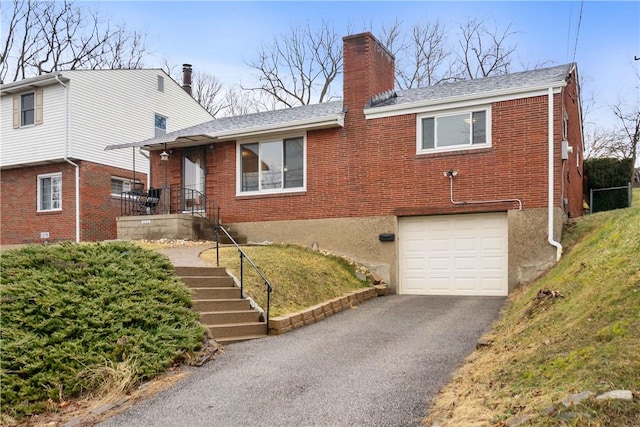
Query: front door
193 179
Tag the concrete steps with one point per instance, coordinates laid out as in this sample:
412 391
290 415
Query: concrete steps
228 317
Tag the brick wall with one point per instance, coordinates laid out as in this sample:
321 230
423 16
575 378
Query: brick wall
370 167
573 172
21 223
379 173
98 208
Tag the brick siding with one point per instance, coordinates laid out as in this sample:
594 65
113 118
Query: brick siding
370 167
21 223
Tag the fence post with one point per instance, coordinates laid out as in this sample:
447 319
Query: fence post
590 201
629 192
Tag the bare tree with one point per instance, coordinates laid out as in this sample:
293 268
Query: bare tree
428 58
629 133
484 52
207 90
600 142
623 141
44 36
299 68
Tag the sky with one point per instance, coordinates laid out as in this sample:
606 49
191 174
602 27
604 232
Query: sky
603 37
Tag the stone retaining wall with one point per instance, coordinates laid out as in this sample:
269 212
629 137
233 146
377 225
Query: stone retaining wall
282 324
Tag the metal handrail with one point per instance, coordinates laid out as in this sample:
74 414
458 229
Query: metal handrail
244 256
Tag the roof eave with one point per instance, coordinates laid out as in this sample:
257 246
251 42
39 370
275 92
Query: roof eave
33 83
477 98
306 124
316 123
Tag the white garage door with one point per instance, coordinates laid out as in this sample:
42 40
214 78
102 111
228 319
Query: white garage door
454 254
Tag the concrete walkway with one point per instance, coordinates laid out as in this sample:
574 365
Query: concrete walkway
187 256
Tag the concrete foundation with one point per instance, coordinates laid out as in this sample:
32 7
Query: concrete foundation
356 238
155 227
530 254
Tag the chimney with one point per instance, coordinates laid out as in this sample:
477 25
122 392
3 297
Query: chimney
368 70
186 78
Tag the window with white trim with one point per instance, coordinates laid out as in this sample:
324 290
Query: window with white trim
161 125
271 166
50 192
452 131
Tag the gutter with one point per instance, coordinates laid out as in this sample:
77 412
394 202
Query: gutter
66 158
550 238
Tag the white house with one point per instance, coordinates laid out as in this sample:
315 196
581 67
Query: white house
57 182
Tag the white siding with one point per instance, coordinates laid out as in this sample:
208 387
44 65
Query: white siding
106 107
33 143
118 106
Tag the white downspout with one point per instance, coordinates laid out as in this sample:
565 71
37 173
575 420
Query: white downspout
551 176
66 158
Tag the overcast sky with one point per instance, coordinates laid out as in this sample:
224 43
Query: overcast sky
219 37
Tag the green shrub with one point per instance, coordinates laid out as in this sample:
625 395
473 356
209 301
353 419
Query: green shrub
71 309
606 173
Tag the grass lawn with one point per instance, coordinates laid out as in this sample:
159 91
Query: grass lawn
545 348
300 277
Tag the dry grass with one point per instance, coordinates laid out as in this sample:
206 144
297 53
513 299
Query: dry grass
111 380
300 277
546 348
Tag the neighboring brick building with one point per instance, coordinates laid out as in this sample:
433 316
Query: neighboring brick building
57 182
442 190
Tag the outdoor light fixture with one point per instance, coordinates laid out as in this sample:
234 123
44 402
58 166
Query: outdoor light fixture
164 156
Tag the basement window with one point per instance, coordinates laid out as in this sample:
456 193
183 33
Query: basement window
123 185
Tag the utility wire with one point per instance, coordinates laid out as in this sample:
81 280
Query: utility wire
575 46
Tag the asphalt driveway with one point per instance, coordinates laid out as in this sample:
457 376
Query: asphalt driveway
379 364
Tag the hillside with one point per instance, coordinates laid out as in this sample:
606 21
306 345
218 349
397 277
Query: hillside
576 329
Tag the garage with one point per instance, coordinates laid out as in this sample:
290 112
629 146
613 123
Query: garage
454 254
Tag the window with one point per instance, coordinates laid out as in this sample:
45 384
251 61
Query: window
161 125
50 192
454 131
120 185
272 166
27 109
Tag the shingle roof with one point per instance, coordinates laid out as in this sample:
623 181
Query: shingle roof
524 79
268 120
332 112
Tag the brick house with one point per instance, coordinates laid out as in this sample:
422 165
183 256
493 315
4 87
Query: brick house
460 188
57 182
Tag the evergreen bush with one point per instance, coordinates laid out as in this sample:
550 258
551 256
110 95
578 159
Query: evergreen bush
72 309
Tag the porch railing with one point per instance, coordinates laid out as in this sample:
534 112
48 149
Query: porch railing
243 256
155 201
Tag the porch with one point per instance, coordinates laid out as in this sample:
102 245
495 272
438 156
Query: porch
167 213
